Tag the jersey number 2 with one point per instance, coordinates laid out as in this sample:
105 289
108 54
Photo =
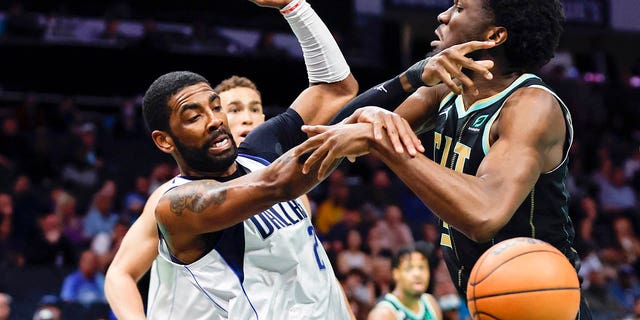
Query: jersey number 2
312 233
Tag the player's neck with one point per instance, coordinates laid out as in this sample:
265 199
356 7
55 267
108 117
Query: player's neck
410 302
187 171
487 88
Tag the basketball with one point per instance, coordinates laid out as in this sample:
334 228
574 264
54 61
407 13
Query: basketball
523 278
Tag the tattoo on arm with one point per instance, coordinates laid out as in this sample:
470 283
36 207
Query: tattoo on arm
196 196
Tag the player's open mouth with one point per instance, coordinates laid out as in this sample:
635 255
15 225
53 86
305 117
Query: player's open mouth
219 144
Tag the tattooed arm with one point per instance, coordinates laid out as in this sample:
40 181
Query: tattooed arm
205 206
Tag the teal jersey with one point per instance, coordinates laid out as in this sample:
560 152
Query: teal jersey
426 312
461 141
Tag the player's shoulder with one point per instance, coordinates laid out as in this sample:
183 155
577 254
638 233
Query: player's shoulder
533 99
383 310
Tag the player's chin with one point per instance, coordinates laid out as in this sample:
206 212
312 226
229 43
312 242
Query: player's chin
419 288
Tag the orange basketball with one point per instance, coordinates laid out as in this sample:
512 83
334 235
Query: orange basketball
523 278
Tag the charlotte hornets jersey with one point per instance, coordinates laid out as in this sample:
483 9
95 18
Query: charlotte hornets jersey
426 312
461 141
271 266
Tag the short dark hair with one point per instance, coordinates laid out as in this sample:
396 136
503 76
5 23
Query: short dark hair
406 251
154 104
534 28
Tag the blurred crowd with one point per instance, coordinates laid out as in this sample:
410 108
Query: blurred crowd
73 179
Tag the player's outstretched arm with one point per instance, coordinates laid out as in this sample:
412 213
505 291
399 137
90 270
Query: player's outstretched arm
134 257
530 138
331 83
206 206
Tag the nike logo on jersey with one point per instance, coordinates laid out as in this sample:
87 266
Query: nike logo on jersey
281 215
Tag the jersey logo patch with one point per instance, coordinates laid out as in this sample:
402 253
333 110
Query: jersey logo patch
479 121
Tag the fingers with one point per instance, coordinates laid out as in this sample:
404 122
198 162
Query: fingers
307 146
477 66
326 165
448 65
353 118
392 133
378 128
471 46
316 155
408 137
314 130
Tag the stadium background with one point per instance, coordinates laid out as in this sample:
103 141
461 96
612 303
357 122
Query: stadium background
72 74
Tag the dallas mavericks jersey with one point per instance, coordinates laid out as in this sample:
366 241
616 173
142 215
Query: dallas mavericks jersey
461 140
426 312
270 266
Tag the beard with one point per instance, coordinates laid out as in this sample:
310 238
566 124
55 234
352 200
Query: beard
199 158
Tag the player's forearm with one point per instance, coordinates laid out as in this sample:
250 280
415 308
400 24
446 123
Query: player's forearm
461 200
333 85
209 206
123 295
322 56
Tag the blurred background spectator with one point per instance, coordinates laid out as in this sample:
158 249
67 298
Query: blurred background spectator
76 163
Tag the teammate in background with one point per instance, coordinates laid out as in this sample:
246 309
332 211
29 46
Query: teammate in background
501 137
408 300
242 102
331 87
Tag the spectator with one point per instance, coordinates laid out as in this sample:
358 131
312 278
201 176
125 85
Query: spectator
5 306
603 303
50 247
626 238
160 174
337 236
353 257
48 309
381 272
331 210
65 206
359 290
106 245
100 217
86 284
392 232
616 195
25 208
6 214
134 201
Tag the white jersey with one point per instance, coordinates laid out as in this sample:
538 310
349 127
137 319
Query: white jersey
270 266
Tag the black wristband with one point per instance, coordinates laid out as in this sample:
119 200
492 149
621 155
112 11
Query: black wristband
414 74
388 95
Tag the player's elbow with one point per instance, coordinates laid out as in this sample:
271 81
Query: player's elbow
346 89
110 280
351 86
482 230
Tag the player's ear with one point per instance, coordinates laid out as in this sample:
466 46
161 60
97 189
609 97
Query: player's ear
163 141
497 34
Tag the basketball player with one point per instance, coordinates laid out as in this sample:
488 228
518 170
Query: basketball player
501 136
408 300
170 296
242 103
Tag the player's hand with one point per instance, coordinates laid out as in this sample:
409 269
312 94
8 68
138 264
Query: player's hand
279 4
329 143
447 65
386 122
